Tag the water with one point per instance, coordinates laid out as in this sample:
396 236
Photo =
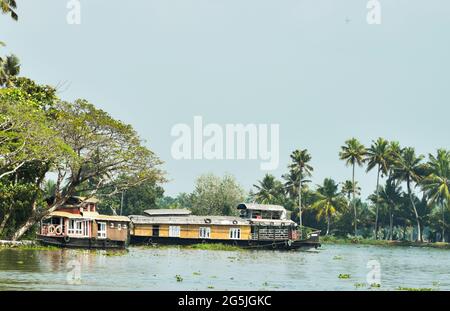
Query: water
157 269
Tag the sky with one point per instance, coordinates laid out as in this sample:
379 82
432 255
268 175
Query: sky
315 67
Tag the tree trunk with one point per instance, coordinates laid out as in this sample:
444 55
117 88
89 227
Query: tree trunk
5 220
328 225
376 203
443 222
354 202
419 232
300 222
22 230
391 225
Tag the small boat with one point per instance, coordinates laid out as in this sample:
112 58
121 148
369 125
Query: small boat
77 224
259 226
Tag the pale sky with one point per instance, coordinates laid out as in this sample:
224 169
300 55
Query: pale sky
313 66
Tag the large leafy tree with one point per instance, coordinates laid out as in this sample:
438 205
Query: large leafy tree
437 183
299 169
329 201
378 156
214 195
97 151
9 7
353 153
410 169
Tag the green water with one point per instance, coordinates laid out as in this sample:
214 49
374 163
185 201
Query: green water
176 268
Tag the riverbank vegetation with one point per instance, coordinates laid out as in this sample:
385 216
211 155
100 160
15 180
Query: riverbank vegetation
409 203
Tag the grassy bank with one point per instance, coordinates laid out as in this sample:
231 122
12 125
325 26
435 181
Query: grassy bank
359 241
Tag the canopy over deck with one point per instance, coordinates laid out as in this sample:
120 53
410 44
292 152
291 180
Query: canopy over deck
261 207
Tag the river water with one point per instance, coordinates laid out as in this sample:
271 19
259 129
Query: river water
173 268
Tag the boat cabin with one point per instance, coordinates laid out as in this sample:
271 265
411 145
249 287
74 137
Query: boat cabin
180 226
257 224
78 224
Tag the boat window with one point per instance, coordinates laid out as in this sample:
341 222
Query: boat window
78 227
119 227
101 233
174 231
235 233
204 232
112 225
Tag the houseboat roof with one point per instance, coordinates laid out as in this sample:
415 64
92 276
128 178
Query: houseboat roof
261 207
75 200
167 212
89 215
190 220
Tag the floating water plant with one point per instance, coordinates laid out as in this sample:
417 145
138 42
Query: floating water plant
414 289
179 278
344 276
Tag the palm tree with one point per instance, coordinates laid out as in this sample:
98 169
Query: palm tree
269 190
391 196
410 169
353 153
299 169
329 201
437 184
9 67
347 189
378 156
9 7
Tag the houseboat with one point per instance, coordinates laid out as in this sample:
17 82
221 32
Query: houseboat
259 226
78 224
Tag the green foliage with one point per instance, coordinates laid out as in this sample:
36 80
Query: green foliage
269 191
215 195
9 7
135 199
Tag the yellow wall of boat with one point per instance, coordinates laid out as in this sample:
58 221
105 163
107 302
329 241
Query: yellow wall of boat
192 231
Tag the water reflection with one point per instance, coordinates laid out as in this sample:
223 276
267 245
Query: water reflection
188 269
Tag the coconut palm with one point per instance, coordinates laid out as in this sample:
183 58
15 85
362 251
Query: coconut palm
391 196
347 189
9 7
437 184
353 153
329 201
9 67
299 169
269 190
378 156
409 169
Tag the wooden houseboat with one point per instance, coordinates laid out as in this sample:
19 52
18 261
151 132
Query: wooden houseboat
259 226
77 224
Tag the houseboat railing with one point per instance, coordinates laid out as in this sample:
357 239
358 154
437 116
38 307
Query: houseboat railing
53 230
